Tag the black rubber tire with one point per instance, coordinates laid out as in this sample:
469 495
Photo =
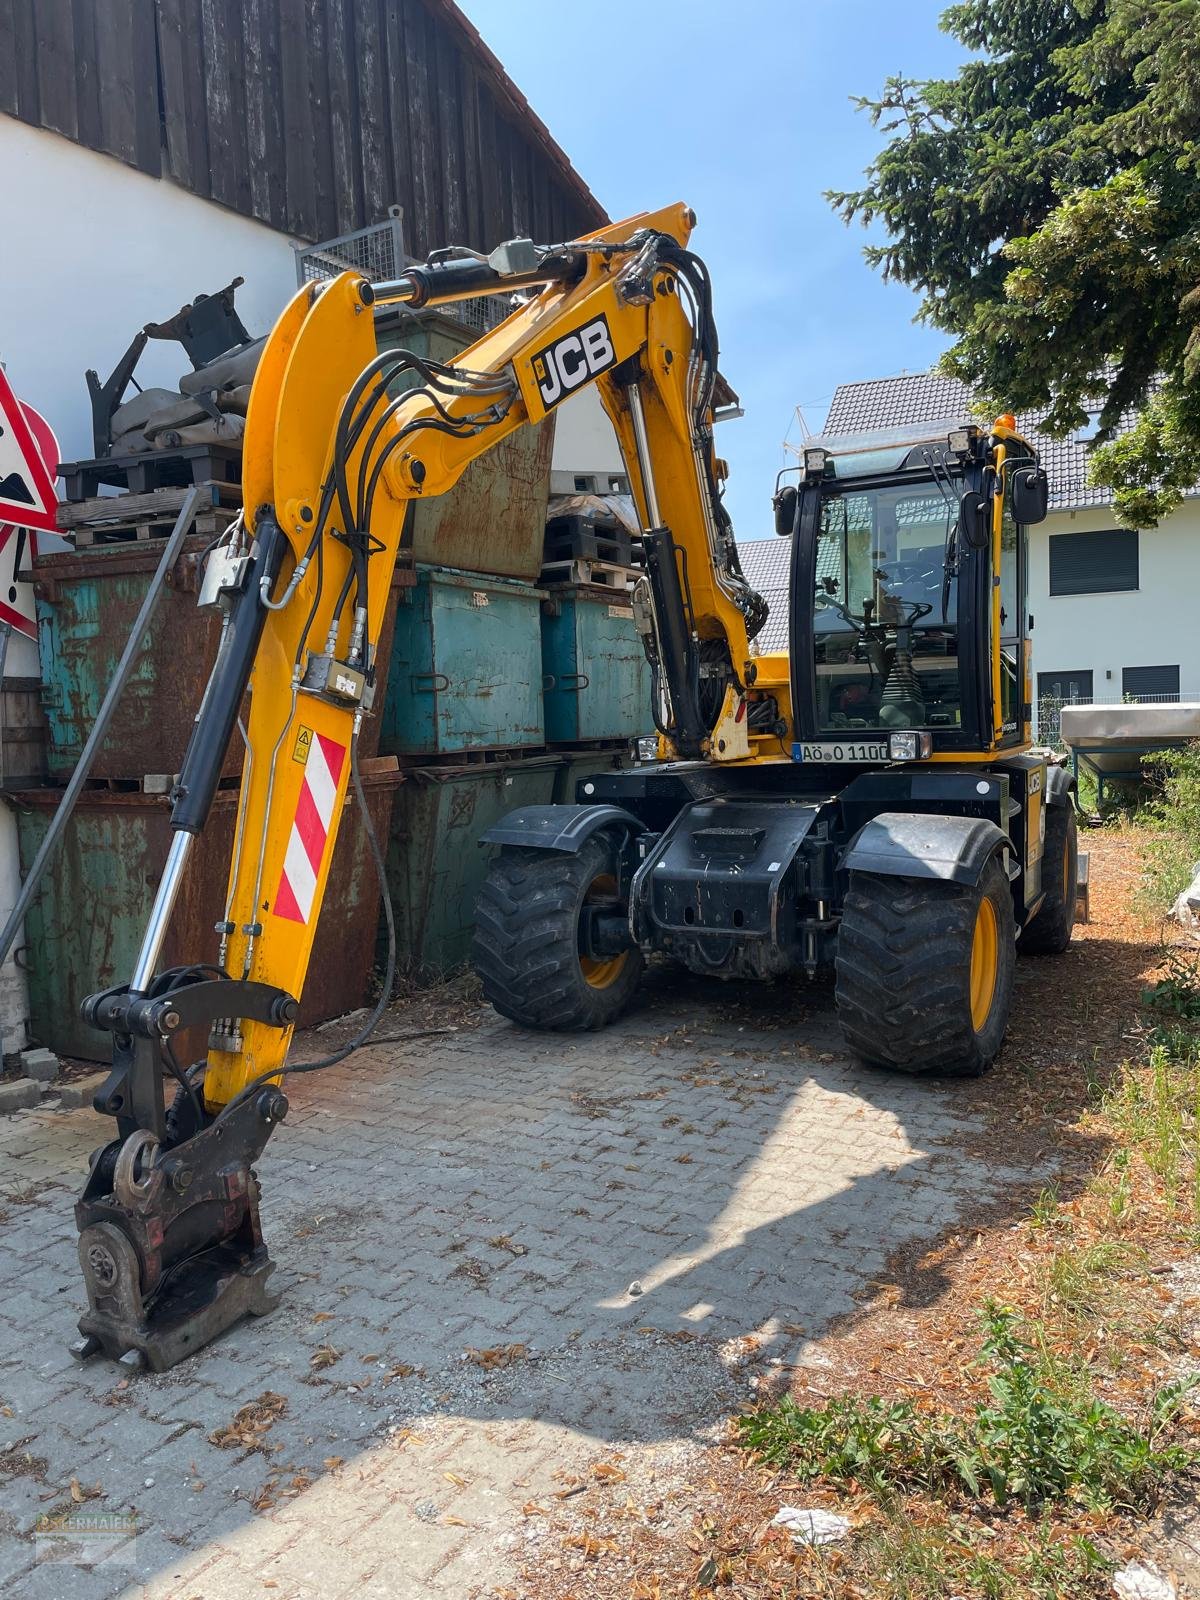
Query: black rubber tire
526 945
1049 934
904 972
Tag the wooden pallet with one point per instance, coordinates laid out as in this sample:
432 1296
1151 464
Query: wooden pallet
158 784
126 518
600 574
574 539
153 469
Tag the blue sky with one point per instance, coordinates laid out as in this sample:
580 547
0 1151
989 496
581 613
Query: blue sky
743 110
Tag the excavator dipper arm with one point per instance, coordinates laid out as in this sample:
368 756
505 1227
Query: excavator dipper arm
338 444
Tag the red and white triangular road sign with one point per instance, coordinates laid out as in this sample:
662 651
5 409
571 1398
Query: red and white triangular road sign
27 494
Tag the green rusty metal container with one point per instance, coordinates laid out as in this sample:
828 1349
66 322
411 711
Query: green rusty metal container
86 602
494 518
596 680
466 667
436 865
85 927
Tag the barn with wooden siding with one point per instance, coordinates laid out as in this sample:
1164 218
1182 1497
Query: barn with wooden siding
312 116
156 149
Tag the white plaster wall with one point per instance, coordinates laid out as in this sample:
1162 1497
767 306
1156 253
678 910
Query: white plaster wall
104 249
584 440
1154 625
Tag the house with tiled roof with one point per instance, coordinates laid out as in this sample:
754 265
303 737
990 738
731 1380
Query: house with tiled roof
1113 608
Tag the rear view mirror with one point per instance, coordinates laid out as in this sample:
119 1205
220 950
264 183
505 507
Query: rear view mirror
785 510
975 520
1029 492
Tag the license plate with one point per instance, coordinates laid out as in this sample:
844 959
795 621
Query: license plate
843 750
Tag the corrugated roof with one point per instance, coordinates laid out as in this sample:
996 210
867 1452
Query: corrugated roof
928 397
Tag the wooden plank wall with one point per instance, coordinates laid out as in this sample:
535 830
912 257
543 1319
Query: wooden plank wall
312 115
86 69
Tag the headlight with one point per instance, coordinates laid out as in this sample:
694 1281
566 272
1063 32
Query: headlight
647 749
909 746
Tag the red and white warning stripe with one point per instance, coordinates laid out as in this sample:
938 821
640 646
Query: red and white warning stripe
310 830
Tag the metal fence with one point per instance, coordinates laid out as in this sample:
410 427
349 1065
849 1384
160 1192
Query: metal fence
1048 710
378 253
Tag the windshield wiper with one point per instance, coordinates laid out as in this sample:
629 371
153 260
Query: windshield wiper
954 507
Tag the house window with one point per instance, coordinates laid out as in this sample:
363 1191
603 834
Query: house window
1067 686
1150 683
584 484
1091 427
1094 563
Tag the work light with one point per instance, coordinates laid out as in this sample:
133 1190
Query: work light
958 441
909 746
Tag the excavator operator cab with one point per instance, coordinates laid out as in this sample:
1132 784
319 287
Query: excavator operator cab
908 584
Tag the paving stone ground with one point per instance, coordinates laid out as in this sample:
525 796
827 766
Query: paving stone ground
471 1191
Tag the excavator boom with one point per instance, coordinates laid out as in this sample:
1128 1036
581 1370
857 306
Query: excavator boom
336 450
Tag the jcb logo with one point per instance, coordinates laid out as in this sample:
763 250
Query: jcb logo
562 366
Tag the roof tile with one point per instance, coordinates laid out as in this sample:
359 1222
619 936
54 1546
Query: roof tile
928 397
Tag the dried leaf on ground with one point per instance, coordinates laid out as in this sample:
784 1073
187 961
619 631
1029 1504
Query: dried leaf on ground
251 1423
496 1356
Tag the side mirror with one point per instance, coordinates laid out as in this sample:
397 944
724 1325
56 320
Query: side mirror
785 510
975 520
1029 494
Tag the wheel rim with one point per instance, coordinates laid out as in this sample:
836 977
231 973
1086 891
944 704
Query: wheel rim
985 963
602 972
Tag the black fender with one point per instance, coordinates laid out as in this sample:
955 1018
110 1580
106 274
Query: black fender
905 844
566 828
1060 785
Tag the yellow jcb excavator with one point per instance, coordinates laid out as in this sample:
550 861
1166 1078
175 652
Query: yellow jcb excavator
867 802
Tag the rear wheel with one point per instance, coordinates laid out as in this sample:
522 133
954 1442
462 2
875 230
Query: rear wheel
528 947
1049 933
925 971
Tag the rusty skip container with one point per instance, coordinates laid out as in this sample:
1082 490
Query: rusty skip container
494 518
435 862
466 667
84 929
86 604
595 677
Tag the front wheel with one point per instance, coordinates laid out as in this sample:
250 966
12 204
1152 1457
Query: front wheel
529 949
925 971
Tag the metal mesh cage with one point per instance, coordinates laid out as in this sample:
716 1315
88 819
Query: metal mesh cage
378 253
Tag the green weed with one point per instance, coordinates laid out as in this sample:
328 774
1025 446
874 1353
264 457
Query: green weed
1041 1437
1156 1111
1177 992
1045 1213
1171 824
910 1563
